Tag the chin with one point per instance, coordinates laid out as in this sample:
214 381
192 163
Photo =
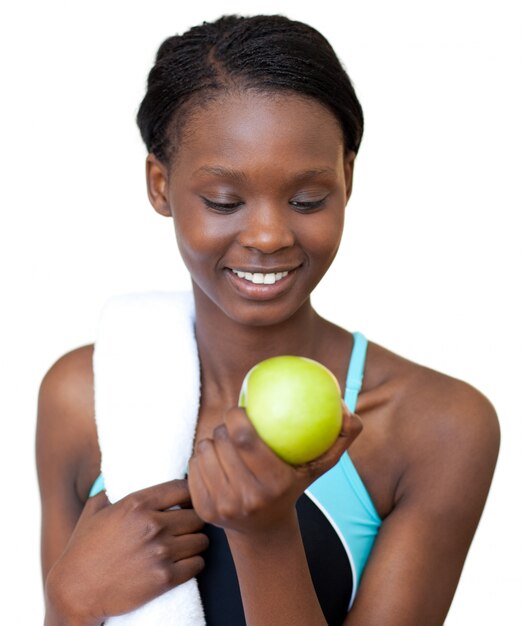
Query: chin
263 314
252 313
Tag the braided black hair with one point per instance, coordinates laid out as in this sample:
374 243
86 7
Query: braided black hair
268 53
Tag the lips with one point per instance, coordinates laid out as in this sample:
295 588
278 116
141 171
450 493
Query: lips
264 270
257 285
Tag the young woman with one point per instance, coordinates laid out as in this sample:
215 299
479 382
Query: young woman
252 128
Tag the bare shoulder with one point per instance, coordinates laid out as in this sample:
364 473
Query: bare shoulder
66 442
450 416
429 455
447 430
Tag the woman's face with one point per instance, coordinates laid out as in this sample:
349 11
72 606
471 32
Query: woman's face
257 192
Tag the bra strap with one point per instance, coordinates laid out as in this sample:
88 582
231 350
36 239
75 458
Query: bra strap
355 373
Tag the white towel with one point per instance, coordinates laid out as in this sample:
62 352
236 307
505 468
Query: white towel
147 396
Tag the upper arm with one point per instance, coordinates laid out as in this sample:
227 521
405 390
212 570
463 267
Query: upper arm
418 556
66 448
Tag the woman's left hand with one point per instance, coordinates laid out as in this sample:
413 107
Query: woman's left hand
238 483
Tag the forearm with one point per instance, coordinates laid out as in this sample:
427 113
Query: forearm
54 618
274 578
58 611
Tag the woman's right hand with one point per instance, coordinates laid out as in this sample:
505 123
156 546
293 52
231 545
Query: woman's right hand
122 555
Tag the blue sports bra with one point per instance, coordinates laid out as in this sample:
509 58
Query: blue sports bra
338 521
340 492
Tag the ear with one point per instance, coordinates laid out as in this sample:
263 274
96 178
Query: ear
349 173
156 177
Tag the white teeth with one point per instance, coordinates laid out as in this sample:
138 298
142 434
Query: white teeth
261 279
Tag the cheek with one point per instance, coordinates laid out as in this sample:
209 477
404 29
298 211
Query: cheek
199 239
323 240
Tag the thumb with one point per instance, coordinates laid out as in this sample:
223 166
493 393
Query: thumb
351 427
95 503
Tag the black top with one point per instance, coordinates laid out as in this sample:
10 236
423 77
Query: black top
328 563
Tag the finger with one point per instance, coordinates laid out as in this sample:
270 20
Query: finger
351 428
211 470
232 463
352 424
262 462
184 570
95 503
162 496
185 546
180 521
200 497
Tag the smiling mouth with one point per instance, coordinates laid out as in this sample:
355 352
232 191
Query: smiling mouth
259 278
262 286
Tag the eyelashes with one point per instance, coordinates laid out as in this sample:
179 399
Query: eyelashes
230 207
222 208
308 206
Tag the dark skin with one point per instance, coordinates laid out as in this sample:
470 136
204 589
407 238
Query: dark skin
426 452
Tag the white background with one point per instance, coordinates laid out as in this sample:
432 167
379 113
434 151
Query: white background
431 262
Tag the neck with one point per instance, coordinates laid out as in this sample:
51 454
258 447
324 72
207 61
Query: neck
226 356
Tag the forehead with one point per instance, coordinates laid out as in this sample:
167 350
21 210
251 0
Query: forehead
251 127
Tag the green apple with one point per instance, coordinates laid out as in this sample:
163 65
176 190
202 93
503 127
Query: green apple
294 403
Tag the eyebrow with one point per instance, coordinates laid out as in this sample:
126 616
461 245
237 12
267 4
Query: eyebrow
239 176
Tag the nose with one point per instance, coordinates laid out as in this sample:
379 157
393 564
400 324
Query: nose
267 227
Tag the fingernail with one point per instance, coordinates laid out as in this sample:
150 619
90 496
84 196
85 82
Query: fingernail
220 432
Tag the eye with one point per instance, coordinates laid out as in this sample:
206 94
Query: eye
228 207
308 206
